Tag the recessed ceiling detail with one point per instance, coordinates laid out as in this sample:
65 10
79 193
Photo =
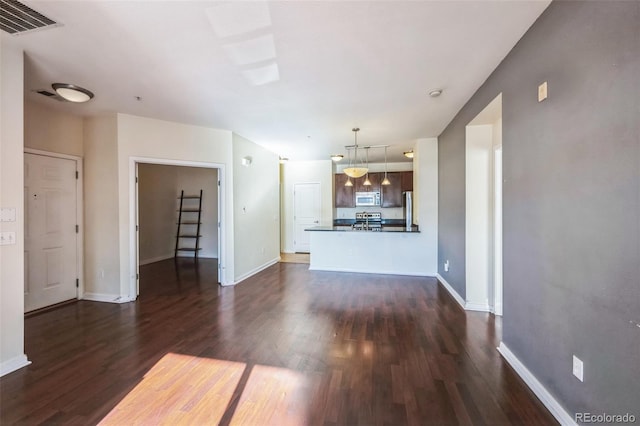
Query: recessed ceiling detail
277 71
17 18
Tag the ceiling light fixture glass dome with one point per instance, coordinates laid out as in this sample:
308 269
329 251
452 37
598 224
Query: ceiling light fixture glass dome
355 171
72 93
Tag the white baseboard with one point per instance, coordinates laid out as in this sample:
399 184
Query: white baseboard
382 272
256 270
13 364
102 297
534 384
288 251
156 259
480 307
451 291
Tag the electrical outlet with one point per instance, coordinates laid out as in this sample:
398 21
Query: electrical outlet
578 368
7 238
446 266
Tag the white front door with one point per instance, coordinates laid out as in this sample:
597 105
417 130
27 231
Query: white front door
306 213
50 259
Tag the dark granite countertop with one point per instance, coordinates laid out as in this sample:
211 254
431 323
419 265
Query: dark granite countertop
347 228
385 222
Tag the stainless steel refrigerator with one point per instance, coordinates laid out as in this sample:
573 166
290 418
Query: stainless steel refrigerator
407 205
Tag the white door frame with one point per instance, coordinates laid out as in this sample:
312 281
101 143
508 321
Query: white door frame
79 212
497 230
293 223
133 215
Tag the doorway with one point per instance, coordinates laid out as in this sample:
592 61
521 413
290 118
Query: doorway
53 238
306 213
157 185
483 210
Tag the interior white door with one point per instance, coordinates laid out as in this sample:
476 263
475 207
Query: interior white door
50 231
306 213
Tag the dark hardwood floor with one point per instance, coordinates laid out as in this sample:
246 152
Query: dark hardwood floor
287 346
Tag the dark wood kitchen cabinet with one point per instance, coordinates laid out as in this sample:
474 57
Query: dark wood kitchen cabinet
407 181
344 195
392 194
374 178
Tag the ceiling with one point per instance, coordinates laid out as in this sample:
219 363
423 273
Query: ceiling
292 76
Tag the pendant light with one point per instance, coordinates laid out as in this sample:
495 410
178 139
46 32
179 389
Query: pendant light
348 182
355 171
367 182
385 181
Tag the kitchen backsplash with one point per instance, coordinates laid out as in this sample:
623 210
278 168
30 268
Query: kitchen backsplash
387 213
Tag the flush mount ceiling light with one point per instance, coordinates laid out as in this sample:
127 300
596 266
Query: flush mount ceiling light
408 154
355 171
72 93
435 93
337 157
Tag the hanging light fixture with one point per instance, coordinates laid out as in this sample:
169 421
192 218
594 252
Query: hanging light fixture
354 171
386 180
348 182
367 182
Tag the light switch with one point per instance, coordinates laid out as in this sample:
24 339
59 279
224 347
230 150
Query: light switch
8 215
578 368
542 92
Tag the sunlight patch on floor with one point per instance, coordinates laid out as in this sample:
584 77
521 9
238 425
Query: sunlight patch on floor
182 389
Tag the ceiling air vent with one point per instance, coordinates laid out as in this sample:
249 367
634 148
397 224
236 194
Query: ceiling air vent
16 18
49 94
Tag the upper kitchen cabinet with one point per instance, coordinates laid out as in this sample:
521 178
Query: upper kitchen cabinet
344 196
407 181
374 178
392 194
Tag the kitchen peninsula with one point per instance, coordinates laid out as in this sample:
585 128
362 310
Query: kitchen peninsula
391 250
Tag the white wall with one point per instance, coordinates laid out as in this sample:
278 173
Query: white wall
478 216
101 244
12 354
425 199
405 166
54 131
141 137
192 180
159 188
256 192
294 172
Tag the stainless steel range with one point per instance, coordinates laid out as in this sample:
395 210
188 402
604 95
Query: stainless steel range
368 221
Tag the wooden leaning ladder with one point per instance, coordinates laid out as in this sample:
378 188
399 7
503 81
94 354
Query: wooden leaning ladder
189 223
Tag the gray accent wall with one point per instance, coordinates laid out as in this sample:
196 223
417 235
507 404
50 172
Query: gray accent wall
571 205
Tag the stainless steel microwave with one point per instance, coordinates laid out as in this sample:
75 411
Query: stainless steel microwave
371 198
